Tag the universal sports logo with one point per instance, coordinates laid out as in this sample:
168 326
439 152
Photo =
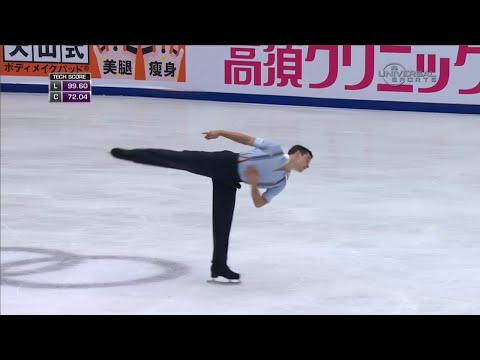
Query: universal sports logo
396 74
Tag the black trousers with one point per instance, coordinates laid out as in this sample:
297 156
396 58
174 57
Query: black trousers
220 166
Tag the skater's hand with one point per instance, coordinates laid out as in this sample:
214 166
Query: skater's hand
212 134
252 175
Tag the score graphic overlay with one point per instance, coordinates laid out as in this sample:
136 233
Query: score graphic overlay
70 87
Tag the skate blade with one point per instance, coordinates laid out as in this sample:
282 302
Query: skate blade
223 281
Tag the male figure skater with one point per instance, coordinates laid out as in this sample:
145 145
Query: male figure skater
265 166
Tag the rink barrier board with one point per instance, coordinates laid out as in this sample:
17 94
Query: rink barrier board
262 99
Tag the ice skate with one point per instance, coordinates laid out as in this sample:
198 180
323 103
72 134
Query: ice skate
223 275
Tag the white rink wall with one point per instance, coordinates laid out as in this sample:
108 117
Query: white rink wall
447 78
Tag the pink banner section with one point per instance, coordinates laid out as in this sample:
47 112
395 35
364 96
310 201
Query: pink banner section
386 68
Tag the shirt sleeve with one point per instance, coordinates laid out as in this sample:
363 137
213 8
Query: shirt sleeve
270 193
267 146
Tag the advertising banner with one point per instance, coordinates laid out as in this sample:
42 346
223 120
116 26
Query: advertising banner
447 74
122 62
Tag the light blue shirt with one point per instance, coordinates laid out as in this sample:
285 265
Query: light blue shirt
267 157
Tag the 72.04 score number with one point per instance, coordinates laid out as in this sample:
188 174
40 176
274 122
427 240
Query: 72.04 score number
76 96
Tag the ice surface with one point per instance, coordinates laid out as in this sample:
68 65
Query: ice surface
385 221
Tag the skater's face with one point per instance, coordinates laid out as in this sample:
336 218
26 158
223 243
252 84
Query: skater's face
302 161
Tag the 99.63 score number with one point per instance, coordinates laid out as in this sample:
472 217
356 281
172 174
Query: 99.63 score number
77 85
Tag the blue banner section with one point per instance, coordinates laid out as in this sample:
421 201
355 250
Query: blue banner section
263 99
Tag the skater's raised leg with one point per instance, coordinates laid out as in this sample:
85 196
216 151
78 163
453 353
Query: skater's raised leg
211 164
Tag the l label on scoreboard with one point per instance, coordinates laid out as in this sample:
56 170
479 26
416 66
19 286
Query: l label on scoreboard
68 87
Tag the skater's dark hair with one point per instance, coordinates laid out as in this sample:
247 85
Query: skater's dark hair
303 150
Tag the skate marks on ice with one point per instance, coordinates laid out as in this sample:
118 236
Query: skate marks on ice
55 261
